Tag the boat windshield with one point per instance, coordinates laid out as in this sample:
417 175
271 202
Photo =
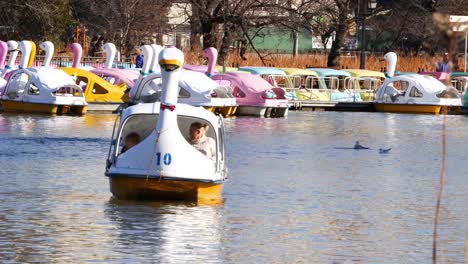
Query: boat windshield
313 82
16 86
334 82
281 81
461 84
450 93
68 90
140 126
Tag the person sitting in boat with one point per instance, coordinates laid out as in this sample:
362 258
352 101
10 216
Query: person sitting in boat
131 140
200 141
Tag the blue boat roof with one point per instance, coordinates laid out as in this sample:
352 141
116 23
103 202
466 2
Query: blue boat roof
263 70
404 73
325 72
456 74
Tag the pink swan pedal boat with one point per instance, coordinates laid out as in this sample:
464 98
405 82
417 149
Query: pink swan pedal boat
255 96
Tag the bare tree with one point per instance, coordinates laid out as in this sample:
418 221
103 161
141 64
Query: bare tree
205 18
125 22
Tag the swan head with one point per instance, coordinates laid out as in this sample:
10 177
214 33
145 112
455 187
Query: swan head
77 51
391 58
75 47
25 47
12 45
147 52
3 53
13 50
110 50
171 59
46 46
210 53
32 55
154 67
109 47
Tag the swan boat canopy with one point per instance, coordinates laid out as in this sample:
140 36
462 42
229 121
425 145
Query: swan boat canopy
43 90
334 85
416 94
274 76
163 164
366 82
195 88
220 69
308 85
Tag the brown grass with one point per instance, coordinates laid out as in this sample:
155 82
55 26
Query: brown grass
351 61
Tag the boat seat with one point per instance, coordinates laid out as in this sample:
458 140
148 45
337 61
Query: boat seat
110 79
223 92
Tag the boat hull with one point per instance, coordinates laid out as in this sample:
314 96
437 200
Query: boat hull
262 111
226 111
53 109
103 107
130 188
416 108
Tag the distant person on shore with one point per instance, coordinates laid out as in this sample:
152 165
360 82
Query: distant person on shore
139 59
445 65
243 49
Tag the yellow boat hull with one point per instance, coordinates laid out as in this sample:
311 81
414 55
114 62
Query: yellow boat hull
140 188
409 108
226 111
367 97
53 109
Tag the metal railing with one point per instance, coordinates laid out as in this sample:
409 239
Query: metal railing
95 62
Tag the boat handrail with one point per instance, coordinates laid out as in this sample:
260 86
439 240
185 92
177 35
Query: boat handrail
110 159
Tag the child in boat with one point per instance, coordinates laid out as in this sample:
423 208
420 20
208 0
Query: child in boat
131 140
200 141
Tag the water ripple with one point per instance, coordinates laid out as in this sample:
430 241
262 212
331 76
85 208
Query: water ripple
293 196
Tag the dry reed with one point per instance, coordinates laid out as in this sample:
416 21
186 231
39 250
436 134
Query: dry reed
351 61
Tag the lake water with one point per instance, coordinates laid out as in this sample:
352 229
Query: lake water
293 195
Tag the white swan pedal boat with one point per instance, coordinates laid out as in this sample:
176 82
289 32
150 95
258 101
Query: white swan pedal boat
415 93
43 90
163 165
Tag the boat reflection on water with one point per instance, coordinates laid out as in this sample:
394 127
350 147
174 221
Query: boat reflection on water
165 232
97 120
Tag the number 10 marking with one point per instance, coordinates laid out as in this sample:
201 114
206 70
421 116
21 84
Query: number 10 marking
167 159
